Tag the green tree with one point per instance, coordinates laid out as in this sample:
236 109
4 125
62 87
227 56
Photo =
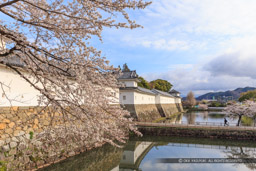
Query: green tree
162 85
249 95
143 83
217 104
126 68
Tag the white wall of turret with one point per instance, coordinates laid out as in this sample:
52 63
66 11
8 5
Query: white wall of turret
129 83
135 97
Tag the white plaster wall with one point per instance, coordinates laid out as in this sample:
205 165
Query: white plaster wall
158 99
140 98
17 90
177 100
167 100
130 83
22 93
129 97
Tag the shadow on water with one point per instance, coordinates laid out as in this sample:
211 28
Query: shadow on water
141 153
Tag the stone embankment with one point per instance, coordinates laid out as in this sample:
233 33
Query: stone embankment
220 132
33 137
151 112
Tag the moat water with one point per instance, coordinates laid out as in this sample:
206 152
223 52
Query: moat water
209 117
143 153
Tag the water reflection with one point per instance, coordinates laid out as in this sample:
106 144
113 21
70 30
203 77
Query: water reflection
213 117
142 154
175 118
133 154
104 158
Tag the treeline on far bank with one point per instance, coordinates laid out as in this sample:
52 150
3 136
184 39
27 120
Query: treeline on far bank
192 103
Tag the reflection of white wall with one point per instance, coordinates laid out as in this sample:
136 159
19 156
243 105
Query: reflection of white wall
115 169
130 157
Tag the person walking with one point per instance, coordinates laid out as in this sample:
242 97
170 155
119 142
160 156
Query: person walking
225 122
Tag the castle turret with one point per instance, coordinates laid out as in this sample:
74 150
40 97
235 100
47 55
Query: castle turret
128 78
174 93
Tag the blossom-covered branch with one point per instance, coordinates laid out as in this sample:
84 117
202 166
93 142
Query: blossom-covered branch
50 42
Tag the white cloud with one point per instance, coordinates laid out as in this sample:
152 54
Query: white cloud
166 45
220 33
200 81
192 24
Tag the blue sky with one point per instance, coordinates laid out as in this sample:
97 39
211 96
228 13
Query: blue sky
197 45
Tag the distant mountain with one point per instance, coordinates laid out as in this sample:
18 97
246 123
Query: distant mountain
227 95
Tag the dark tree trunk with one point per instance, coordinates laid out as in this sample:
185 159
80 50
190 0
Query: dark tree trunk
239 120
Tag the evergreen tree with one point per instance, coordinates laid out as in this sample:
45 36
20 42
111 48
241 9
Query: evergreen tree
143 83
162 85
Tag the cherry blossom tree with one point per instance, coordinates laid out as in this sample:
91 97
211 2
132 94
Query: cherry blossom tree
50 40
248 108
202 106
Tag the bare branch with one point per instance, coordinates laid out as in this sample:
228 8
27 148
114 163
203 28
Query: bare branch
8 3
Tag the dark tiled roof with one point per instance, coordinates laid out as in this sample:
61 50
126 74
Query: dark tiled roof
162 93
173 91
146 90
139 89
128 75
15 61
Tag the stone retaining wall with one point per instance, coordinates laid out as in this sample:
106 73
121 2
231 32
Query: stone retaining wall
17 121
150 112
143 112
147 112
169 109
31 137
199 132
